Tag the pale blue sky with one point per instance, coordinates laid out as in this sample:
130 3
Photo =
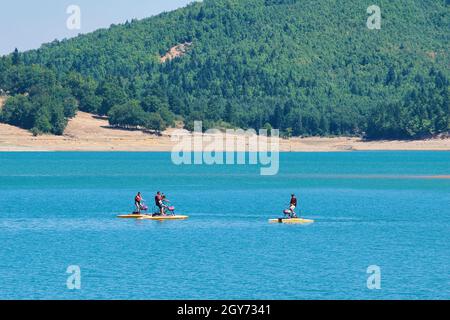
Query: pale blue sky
27 24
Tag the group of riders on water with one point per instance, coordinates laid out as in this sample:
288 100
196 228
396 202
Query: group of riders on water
162 205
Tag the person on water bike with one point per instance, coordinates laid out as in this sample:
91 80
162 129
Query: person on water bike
292 206
159 203
166 203
137 203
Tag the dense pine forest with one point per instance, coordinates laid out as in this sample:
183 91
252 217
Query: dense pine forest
307 67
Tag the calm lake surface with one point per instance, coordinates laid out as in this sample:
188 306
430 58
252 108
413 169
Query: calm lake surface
371 208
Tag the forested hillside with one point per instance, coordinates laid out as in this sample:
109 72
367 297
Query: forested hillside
307 67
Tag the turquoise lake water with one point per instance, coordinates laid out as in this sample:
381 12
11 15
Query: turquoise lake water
371 208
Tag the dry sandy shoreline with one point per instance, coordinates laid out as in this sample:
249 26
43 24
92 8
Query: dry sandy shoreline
88 133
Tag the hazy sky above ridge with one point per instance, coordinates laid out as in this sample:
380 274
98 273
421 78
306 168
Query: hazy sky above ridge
28 24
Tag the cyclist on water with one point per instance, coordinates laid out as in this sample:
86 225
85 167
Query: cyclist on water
166 204
165 201
292 206
137 202
159 202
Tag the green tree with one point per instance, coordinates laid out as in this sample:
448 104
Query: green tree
112 95
16 57
128 115
42 124
18 111
155 122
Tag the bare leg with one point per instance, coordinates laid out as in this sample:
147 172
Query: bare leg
293 214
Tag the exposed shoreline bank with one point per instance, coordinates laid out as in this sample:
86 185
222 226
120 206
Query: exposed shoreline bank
88 133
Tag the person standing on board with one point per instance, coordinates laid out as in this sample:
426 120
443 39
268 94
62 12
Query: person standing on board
137 202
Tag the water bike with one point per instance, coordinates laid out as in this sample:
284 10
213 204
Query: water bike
155 216
132 216
162 217
136 215
142 207
292 219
